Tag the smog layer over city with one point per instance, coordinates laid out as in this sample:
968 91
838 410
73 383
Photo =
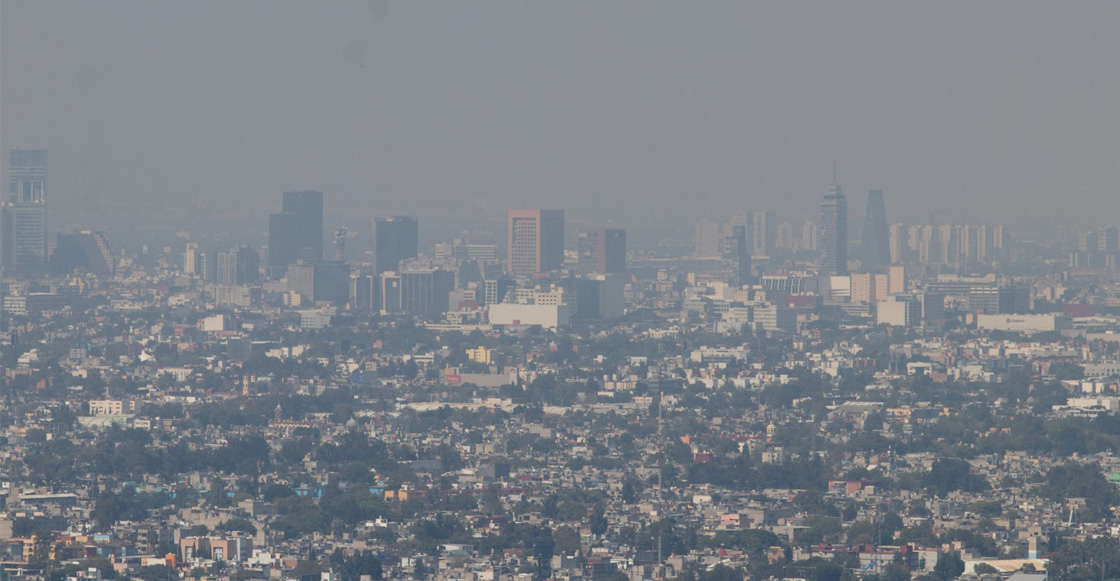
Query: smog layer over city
576 290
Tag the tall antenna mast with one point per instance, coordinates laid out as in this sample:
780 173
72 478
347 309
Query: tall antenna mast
660 467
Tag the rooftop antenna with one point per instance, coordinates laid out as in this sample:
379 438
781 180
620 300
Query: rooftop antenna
835 179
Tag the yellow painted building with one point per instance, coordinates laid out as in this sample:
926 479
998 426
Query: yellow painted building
479 355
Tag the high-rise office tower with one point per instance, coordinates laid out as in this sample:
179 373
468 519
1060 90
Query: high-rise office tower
602 250
364 291
24 214
925 241
1108 240
535 241
396 238
946 244
875 249
239 266
707 239
207 267
190 258
763 233
296 233
898 242
85 251
742 255
332 282
340 243
424 291
784 238
810 236
834 232
227 268
301 279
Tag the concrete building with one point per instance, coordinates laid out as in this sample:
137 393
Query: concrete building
875 248
1032 323
599 296
396 238
296 233
84 251
897 311
546 316
535 242
707 239
23 215
763 234
602 250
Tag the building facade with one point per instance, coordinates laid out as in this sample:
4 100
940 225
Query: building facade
24 212
602 250
535 241
396 238
834 232
875 247
296 233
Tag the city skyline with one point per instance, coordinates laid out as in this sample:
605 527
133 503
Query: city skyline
519 291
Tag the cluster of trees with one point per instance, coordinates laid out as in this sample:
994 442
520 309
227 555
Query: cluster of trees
950 475
740 473
1074 480
1088 560
130 454
354 567
336 510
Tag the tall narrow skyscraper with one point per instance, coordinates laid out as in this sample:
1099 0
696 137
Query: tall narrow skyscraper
875 249
706 239
24 216
395 239
602 250
296 233
763 233
742 255
834 232
535 241
239 266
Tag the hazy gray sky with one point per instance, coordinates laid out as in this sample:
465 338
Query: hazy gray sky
629 110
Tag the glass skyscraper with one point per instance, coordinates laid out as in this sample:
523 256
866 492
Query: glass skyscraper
24 216
875 249
296 233
396 238
834 232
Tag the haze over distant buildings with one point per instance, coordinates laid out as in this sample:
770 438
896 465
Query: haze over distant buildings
477 291
994 111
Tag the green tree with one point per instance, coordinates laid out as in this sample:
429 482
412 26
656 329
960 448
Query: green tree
1074 480
306 567
1088 560
895 572
984 569
238 524
566 539
155 573
352 568
949 566
598 523
629 493
947 475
